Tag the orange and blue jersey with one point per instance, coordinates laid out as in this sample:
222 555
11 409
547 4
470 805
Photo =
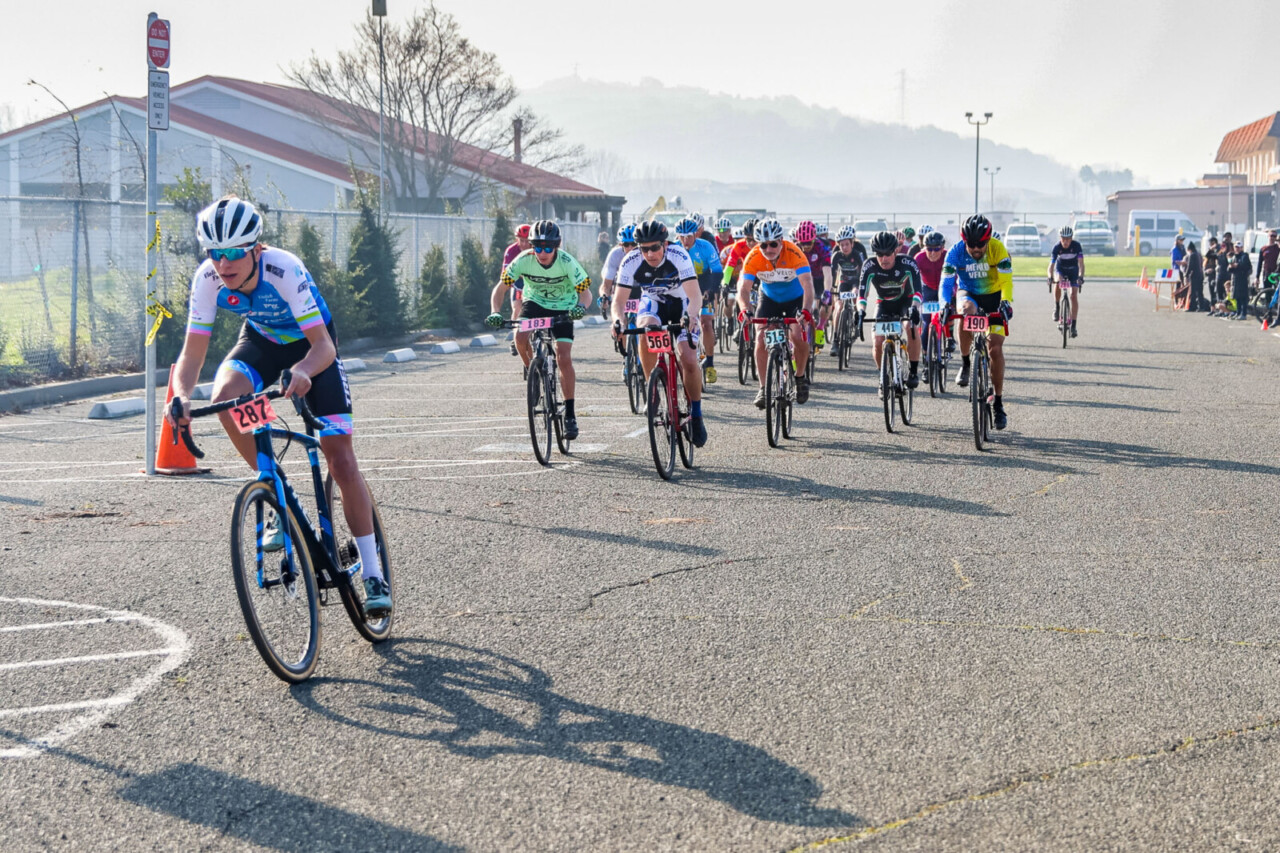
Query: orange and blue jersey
780 279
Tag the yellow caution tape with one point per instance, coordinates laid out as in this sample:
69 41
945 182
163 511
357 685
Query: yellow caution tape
156 309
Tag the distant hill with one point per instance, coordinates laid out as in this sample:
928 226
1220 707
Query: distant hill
662 137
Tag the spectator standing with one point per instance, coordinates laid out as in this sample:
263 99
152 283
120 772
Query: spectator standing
1177 261
1268 258
1241 271
1194 264
604 245
1225 253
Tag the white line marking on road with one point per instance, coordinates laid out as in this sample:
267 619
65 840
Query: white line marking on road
42 626
116 479
110 702
636 433
524 448
538 469
176 644
33 664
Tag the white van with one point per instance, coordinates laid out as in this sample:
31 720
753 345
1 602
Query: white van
1159 228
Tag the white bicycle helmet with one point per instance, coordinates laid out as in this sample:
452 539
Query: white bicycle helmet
846 233
739 233
724 224
228 223
768 230
698 218
821 229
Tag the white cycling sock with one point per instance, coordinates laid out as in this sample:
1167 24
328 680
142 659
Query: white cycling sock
370 565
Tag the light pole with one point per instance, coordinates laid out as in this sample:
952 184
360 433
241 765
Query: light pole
992 172
380 12
977 148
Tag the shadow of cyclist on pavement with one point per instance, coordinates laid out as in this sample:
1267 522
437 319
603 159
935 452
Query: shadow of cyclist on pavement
483 705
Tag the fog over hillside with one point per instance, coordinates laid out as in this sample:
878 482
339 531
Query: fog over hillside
651 139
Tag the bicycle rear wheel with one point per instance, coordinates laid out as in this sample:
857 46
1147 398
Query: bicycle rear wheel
276 589
351 585
788 397
906 397
662 432
745 354
541 409
887 388
774 398
684 435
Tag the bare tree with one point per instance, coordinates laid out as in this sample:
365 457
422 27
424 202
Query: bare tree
605 169
76 141
448 107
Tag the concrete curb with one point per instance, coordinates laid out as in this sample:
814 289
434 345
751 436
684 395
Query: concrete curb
445 347
354 365
396 356
123 408
484 341
59 392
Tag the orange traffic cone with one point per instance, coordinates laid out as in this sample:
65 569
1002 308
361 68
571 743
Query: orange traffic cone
173 458
1143 284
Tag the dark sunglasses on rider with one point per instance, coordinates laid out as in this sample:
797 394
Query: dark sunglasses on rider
628 246
885 254
234 254
772 244
651 248
543 248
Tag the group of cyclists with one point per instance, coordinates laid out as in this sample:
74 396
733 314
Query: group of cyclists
651 277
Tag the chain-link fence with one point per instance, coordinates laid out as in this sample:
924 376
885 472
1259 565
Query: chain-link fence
74 284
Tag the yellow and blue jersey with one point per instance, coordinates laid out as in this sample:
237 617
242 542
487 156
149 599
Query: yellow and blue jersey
992 273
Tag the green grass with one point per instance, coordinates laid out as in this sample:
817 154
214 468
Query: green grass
1096 266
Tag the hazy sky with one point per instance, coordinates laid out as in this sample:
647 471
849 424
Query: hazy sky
1147 84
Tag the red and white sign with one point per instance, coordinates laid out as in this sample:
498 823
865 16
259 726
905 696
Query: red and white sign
157 42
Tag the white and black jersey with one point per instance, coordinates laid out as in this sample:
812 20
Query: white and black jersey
661 282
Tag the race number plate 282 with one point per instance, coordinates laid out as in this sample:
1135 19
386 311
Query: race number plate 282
774 337
659 341
253 415
893 327
975 323
528 325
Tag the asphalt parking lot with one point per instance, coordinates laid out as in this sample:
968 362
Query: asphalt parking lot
858 639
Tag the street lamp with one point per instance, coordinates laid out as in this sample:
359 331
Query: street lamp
992 172
380 12
977 145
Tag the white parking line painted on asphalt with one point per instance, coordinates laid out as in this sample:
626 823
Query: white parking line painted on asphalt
525 448
71 623
636 433
175 651
36 664
534 471
109 702
112 478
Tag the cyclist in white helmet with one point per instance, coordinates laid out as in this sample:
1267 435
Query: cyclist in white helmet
287 326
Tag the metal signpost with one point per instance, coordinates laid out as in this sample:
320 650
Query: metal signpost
157 119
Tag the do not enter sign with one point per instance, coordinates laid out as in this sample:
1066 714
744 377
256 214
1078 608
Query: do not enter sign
158 42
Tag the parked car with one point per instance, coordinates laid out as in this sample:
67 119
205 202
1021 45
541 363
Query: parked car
1095 236
1157 230
739 216
868 228
1022 238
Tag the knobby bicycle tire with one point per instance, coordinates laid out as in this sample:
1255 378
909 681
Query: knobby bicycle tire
1065 313
262 494
773 399
684 435
788 396
977 397
351 588
906 397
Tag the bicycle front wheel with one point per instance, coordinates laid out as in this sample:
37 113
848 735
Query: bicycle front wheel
277 588
662 432
887 387
978 401
1065 314
684 435
541 409
351 584
906 397
932 360
774 398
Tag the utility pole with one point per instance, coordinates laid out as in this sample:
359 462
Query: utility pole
380 12
992 172
977 151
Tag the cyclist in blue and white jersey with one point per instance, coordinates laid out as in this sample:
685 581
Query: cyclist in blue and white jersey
1066 269
287 326
707 266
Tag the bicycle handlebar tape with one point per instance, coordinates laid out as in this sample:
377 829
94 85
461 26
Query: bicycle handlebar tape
174 459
